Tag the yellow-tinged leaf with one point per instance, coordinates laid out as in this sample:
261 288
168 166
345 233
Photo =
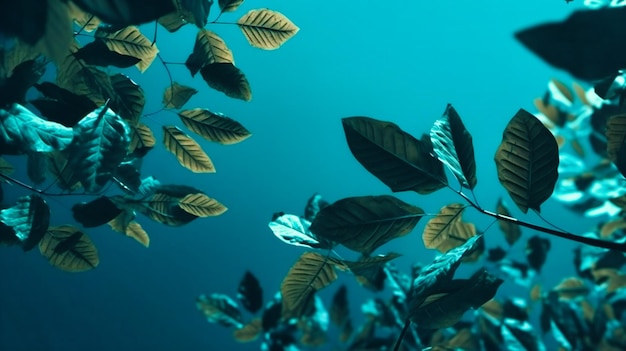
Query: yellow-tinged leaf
493 308
580 93
249 332
69 249
550 111
19 53
588 310
570 288
177 95
616 282
187 151
5 167
229 5
608 228
135 231
141 137
209 48
447 230
201 205
214 126
124 223
563 89
130 41
266 29
84 20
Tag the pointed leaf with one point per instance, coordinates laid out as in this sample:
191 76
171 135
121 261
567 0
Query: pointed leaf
294 230
187 11
188 152
219 308
537 249
229 5
61 105
125 224
214 126
128 100
177 95
393 156
201 205
64 175
141 137
228 79
129 41
527 161
69 249
512 231
209 48
453 145
250 293
28 218
365 223
126 12
266 29
447 230
98 54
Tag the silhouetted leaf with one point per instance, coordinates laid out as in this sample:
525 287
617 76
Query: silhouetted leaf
127 176
83 80
537 251
367 222
177 95
339 308
128 100
219 308
393 156
201 205
527 161
583 44
512 231
28 218
214 126
124 223
126 12
496 254
87 21
25 75
36 167
200 10
69 249
518 335
22 131
188 152
228 79
311 273
447 230
453 145
249 332
294 230
229 5
570 288
369 270
250 293
129 41
266 29
96 212
141 137
208 48
99 146
24 19
98 54
313 206
61 105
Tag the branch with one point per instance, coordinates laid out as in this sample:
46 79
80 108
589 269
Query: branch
39 191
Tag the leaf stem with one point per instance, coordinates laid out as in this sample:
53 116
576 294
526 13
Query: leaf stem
396 346
39 191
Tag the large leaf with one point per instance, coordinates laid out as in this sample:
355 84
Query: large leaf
25 19
365 223
209 48
266 29
21 132
311 273
28 218
125 223
453 145
294 230
99 146
394 156
214 126
188 152
527 161
219 308
69 249
126 12
129 41
201 205
177 95
447 230
128 100
250 293
225 77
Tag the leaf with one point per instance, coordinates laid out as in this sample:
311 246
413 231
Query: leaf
228 79
5 167
83 80
95 212
249 332
208 48
188 152
24 76
369 270
28 218
26 20
453 145
69 249
447 230
221 309
57 35
339 308
229 5
311 273
294 230
200 10
537 249
214 126
128 100
97 53
615 135
571 288
125 224
266 29
364 223
21 132
187 11
313 206
126 12
393 156
36 167
61 105
129 41
141 137
99 146
512 231
201 205
250 293
177 95
64 175
527 161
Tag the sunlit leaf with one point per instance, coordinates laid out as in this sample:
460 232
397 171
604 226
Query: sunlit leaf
141 137
512 231
208 48
129 41
219 308
177 95
249 332
214 126
69 249
126 12
188 152
228 79
249 292
447 230
527 161
393 156
125 223
201 205
266 29
28 218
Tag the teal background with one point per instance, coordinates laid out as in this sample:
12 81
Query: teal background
400 61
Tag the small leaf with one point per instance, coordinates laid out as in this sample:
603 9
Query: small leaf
209 48
5 167
177 95
126 12
250 293
200 10
266 29
228 79
537 249
229 5
214 126
512 231
294 230
527 161
249 332
339 308
188 152
221 309
125 224
570 288
96 212
69 249
447 230
141 138
129 41
201 205
313 206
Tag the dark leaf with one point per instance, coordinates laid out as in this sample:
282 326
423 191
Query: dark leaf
393 156
96 212
272 315
294 230
208 48
518 335
69 249
229 5
250 331
24 76
537 251
97 53
512 231
24 19
496 254
28 218
36 167
369 270
250 293
583 44
62 106
566 318
221 309
127 176
228 79
128 99
126 12
313 206
200 10
339 308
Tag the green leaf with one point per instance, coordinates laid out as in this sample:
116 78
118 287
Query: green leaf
29 218
527 161
69 249
453 145
394 156
214 126
367 222
99 146
21 132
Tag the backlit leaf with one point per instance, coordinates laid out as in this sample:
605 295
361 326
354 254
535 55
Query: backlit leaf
537 249
201 205
129 41
228 79
69 249
141 137
214 126
208 48
177 95
188 152
57 36
97 53
125 223
294 230
221 309
266 29
83 19
61 105
527 161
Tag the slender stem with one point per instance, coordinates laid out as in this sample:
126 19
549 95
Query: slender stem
84 25
39 191
169 76
396 346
